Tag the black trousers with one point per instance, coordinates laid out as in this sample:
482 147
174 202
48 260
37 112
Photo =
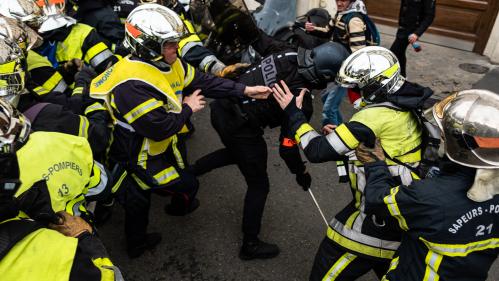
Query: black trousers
137 202
246 148
340 265
399 48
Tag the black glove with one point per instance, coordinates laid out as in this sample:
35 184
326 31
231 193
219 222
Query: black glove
36 203
84 76
304 180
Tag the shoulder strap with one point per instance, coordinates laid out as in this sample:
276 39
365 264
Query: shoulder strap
32 112
14 231
413 169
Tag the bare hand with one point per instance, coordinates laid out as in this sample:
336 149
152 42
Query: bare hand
283 97
71 226
328 129
195 101
258 92
309 26
413 38
369 155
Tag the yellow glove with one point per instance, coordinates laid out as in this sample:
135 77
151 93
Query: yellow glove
233 70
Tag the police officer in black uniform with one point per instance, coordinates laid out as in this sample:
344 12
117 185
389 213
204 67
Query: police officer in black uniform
450 220
414 19
240 126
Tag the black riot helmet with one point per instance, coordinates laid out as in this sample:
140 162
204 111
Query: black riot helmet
318 16
321 64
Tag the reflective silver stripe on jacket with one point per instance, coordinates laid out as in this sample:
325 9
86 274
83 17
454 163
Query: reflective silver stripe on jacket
61 86
187 47
102 56
95 190
337 144
362 238
307 137
398 170
125 126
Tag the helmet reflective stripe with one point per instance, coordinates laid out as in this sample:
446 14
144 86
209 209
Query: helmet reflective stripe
390 71
132 30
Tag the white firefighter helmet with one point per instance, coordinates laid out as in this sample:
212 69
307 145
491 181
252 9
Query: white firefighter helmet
26 11
54 15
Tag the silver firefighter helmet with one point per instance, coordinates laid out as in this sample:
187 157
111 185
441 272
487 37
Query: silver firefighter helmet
374 70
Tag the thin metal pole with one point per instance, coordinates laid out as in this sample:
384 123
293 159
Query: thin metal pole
318 207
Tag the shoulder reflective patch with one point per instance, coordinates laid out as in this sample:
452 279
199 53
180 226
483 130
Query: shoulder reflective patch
461 250
346 136
339 266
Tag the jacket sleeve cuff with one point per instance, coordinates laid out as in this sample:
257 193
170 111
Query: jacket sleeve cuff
186 110
295 116
240 89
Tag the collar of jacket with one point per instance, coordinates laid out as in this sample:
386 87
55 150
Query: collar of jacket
447 167
410 96
161 65
57 35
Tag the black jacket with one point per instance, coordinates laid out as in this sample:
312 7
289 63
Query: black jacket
102 17
415 17
58 118
246 118
447 235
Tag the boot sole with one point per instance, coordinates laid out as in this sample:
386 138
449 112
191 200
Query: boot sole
262 257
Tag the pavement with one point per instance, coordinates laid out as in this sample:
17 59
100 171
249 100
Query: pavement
203 246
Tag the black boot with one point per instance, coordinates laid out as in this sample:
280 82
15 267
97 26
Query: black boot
257 249
151 241
177 209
